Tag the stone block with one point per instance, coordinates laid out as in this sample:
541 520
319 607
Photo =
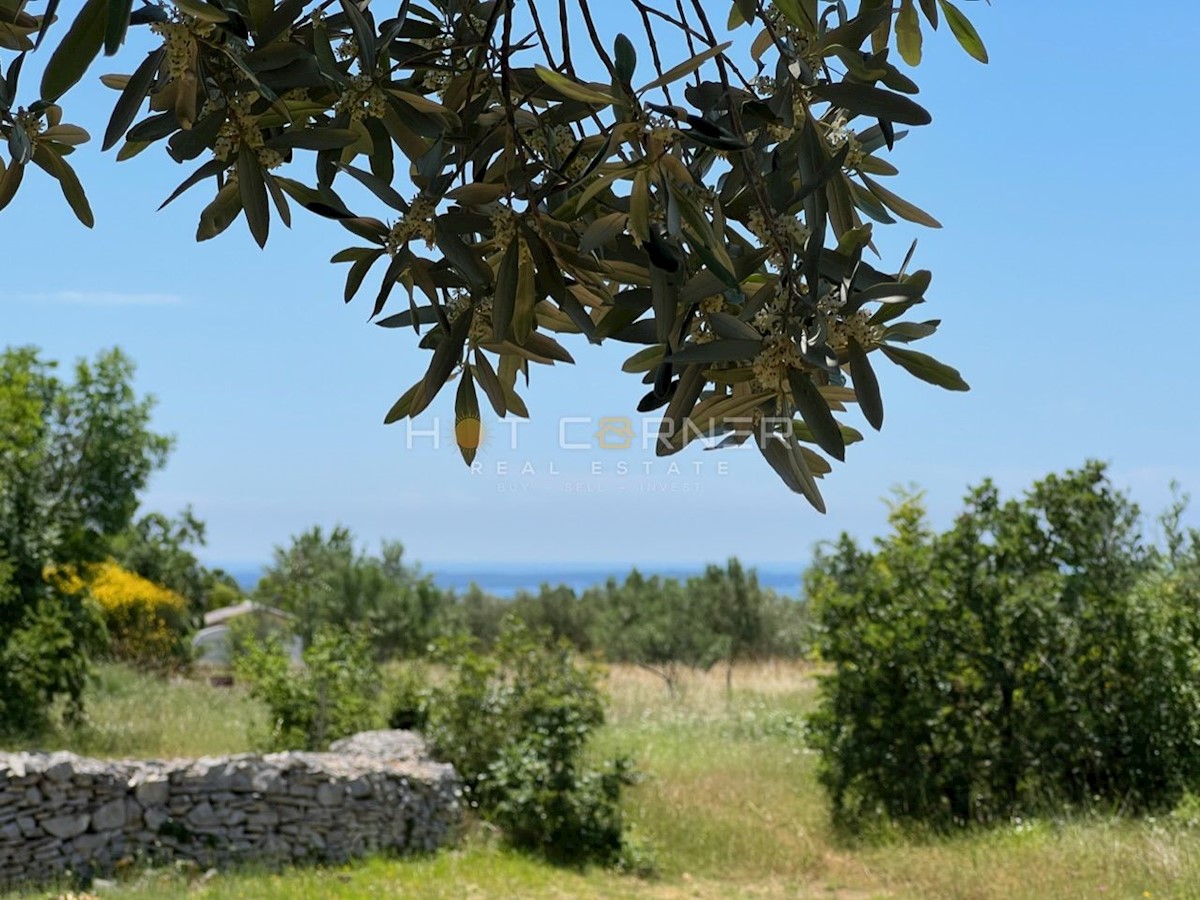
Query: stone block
202 816
110 816
153 792
67 826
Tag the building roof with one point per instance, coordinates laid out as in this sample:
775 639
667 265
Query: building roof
245 608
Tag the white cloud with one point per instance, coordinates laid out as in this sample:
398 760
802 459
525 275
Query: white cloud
101 298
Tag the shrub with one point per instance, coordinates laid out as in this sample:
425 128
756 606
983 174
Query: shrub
516 726
1036 654
407 698
332 695
477 613
325 579
48 654
147 623
558 611
160 549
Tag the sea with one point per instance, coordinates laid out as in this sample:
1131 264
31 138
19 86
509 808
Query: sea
509 580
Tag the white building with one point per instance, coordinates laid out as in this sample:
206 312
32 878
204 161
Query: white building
213 644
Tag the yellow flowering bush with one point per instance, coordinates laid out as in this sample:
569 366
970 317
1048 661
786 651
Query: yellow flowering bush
146 623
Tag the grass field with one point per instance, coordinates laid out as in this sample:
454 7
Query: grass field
730 806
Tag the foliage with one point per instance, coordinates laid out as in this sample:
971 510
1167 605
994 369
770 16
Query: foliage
736 607
406 694
664 624
48 655
712 210
161 549
73 458
756 623
223 590
559 612
516 725
324 580
476 613
147 623
332 695
660 624
1035 654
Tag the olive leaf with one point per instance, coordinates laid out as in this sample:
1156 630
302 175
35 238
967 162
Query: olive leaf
57 167
866 385
816 414
908 33
466 417
132 95
926 368
253 192
79 46
573 89
866 100
964 31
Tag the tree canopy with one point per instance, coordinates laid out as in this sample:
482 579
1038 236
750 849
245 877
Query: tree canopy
323 578
74 457
703 187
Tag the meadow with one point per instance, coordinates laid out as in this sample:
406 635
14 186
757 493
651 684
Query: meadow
730 807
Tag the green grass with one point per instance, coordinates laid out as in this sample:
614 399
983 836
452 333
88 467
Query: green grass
132 715
730 805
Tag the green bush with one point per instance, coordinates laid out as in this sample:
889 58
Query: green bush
516 726
1036 654
559 611
406 694
332 695
48 655
326 579
476 613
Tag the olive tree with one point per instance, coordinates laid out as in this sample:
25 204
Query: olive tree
703 186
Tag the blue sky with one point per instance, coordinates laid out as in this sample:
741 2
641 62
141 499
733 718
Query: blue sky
1060 275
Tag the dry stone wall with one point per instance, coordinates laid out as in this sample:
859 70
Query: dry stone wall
61 813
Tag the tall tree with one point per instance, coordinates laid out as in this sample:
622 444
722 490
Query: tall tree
73 458
324 579
161 549
701 188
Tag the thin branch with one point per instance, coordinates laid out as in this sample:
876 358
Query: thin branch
647 10
506 70
565 32
658 66
775 38
687 32
601 50
541 33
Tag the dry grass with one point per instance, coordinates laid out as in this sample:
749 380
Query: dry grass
640 692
